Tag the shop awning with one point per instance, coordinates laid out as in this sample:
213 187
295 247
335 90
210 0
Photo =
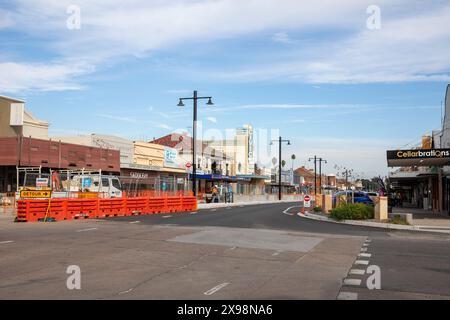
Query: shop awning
415 157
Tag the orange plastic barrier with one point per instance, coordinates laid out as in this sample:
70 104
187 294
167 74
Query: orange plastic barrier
73 208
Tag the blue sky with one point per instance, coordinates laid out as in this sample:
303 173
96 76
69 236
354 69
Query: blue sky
314 71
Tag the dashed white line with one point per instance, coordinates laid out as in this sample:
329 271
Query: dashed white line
165 217
365 244
368 241
347 296
5 242
358 272
352 282
276 253
362 262
363 249
89 229
194 212
364 255
134 222
215 289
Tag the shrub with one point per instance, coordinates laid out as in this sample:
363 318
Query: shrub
317 209
357 211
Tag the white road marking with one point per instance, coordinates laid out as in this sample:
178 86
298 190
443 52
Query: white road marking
5 242
358 272
134 222
213 209
365 244
276 253
126 291
194 212
352 282
165 217
241 206
347 296
89 229
232 248
229 208
368 241
215 289
290 213
363 249
362 262
364 255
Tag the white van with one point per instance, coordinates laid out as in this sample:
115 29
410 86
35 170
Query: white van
109 185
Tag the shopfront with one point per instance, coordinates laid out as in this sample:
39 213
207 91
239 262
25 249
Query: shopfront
421 181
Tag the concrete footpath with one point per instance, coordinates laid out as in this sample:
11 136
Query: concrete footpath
376 224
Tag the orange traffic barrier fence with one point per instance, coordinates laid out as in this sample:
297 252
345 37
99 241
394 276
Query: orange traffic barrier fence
72 208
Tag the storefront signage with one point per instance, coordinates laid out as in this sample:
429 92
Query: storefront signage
418 154
41 182
171 158
139 175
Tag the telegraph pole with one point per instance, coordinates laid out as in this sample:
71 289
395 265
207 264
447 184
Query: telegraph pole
320 171
280 142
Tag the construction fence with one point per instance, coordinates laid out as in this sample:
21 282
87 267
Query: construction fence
71 209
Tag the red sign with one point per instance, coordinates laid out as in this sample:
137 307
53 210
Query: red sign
188 165
307 198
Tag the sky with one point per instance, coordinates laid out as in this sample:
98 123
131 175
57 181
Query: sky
343 80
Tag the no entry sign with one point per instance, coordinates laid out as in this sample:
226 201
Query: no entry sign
307 201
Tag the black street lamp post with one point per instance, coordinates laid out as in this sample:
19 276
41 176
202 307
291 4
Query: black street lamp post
280 141
195 98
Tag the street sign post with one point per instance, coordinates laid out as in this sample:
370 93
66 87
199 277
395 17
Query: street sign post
307 201
35 194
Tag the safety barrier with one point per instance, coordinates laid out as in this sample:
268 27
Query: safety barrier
71 209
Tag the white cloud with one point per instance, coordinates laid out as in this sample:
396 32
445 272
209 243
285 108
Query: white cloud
281 37
412 45
212 119
42 77
117 118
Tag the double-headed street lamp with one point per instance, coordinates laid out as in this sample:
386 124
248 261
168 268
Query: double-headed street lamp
280 141
195 98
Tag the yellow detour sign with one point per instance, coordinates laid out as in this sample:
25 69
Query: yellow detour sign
31 194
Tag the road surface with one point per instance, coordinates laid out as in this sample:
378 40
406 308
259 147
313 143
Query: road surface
252 252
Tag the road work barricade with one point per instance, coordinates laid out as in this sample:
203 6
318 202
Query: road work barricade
70 209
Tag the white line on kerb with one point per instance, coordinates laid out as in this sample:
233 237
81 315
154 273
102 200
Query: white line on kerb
215 289
347 296
352 282
5 242
362 262
358 272
89 229
364 255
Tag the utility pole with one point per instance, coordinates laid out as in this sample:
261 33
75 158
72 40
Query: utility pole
280 142
317 160
320 171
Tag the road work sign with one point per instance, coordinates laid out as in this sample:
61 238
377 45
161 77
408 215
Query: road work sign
33 194
307 201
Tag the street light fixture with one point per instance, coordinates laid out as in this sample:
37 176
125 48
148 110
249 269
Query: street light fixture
195 98
280 141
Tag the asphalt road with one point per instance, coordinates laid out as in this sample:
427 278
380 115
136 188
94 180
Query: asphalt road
251 252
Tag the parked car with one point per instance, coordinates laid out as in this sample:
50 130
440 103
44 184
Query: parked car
358 196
